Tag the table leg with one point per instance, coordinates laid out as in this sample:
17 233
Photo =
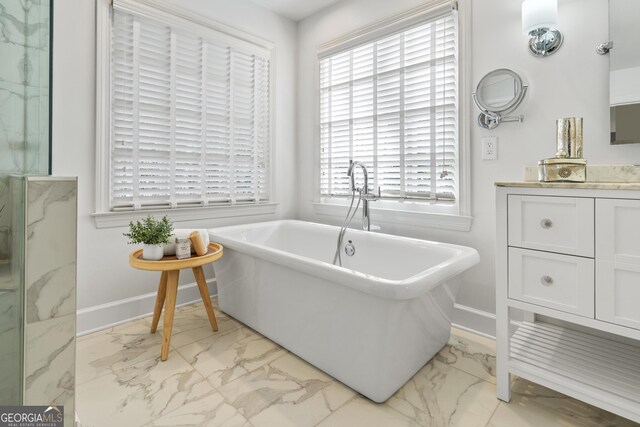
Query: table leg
206 299
169 310
162 293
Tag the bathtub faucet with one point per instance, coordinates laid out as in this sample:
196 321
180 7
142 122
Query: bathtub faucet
365 196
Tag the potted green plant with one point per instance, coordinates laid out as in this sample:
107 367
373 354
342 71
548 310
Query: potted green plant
152 233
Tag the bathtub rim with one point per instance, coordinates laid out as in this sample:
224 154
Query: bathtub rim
411 287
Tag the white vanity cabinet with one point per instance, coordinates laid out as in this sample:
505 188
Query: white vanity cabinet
568 257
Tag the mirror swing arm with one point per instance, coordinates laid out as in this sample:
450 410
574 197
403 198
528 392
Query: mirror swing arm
491 115
491 119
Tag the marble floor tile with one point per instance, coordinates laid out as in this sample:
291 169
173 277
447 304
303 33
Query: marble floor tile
440 395
115 348
199 306
471 353
209 411
286 392
192 324
361 412
237 377
533 406
141 392
227 355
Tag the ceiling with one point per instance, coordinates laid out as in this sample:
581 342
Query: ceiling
295 9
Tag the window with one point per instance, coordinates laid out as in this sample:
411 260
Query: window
190 122
392 103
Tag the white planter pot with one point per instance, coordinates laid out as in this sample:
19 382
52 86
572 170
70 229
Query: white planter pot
152 252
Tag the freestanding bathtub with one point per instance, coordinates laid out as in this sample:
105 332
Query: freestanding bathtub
371 324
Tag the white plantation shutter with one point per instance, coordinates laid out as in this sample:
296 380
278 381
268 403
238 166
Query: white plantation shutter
190 120
392 104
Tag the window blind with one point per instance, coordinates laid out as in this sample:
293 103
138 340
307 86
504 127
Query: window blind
392 103
190 118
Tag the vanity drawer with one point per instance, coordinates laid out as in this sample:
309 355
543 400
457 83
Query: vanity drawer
555 224
561 282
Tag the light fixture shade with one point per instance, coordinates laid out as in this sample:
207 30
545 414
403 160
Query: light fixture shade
539 14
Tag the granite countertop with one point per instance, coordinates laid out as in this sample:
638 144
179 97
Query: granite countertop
567 185
599 177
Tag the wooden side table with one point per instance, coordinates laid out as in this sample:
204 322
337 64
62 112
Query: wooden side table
170 267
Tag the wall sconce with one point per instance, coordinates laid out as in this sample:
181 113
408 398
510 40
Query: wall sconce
539 20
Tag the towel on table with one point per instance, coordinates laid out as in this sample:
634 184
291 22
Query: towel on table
183 233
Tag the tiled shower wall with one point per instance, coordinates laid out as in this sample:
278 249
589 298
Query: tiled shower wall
50 293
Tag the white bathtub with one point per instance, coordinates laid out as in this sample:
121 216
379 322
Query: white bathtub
372 324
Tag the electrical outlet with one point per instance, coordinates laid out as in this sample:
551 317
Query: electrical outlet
490 148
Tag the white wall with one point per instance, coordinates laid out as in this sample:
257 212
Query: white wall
573 82
108 289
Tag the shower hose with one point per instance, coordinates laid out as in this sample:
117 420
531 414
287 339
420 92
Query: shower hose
347 220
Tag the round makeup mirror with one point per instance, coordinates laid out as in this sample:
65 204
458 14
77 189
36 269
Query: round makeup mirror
498 93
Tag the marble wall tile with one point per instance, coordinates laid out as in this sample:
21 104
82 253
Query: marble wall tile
51 249
37 18
12 22
5 226
50 293
49 375
12 126
17 233
24 86
11 279
12 41
13 65
36 130
10 348
24 26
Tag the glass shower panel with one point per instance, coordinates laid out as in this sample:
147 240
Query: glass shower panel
12 206
24 86
25 29
37 77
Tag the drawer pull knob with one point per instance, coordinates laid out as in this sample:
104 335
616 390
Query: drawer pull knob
546 223
546 280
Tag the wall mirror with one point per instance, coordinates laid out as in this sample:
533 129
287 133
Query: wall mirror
624 70
498 94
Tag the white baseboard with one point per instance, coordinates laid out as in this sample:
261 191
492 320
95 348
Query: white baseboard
474 320
104 316
93 319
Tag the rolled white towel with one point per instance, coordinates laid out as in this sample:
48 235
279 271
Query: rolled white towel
183 233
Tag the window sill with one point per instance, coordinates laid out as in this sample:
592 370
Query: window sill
395 216
121 219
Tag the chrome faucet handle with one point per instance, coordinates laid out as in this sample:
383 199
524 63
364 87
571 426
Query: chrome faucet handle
371 197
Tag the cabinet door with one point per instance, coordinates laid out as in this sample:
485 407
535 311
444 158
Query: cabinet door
618 261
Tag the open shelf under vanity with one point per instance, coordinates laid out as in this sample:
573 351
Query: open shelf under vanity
596 370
